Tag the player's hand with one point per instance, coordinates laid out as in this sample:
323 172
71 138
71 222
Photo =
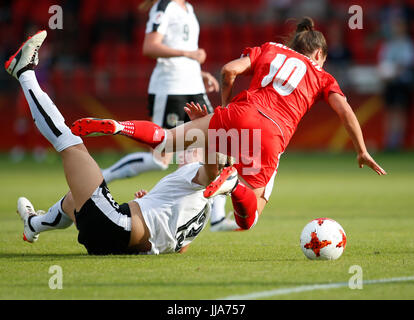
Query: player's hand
195 111
140 194
365 159
199 55
210 82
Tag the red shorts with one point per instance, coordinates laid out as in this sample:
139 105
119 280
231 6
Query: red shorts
256 142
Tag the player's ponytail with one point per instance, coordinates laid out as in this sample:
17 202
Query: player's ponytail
306 24
146 5
306 39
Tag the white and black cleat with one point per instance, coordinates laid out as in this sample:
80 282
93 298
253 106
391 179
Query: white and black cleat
26 212
27 57
225 224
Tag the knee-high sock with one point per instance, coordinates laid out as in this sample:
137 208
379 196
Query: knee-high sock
245 206
47 117
218 209
55 218
145 132
132 165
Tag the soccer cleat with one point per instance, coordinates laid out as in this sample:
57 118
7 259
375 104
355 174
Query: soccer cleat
225 224
26 211
91 127
224 183
27 57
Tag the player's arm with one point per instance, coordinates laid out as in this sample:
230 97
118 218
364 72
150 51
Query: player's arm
229 74
154 48
351 124
210 82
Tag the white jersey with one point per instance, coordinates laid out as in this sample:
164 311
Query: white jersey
175 210
178 75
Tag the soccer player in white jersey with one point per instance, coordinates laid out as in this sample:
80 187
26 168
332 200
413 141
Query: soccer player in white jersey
164 221
171 37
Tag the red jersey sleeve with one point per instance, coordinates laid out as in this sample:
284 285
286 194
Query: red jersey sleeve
331 86
253 54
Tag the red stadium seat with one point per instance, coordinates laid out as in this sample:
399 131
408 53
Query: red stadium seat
266 33
89 12
19 10
39 12
225 36
81 81
100 56
246 37
114 9
119 82
208 43
121 56
57 80
139 35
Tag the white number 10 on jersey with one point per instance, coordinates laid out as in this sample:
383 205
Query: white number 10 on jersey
285 75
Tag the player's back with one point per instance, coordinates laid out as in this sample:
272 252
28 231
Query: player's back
285 84
175 210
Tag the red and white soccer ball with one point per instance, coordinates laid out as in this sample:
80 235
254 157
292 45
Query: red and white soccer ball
323 239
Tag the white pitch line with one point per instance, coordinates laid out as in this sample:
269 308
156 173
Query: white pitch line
279 292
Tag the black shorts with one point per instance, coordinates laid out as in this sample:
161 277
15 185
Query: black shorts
104 226
168 110
398 96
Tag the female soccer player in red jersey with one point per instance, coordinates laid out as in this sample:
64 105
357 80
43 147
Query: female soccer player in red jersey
286 82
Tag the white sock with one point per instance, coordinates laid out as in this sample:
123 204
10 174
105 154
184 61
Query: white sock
132 165
47 117
55 218
218 209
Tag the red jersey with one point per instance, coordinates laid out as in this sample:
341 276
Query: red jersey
285 85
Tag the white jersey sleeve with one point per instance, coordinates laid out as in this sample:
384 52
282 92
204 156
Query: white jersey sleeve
158 18
175 210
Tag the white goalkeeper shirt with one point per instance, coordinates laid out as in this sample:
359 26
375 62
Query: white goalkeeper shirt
180 27
175 210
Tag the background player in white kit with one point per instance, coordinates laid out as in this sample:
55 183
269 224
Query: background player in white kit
166 220
172 34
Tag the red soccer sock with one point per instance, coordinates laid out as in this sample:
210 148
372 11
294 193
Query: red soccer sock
245 206
144 132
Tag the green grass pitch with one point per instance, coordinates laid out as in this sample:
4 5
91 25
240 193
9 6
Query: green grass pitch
377 214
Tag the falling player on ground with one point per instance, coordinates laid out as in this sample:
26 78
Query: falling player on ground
163 221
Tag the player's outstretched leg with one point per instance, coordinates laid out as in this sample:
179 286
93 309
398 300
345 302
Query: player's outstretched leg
47 118
148 133
82 173
144 132
132 165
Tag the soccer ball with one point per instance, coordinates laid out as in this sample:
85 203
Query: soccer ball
323 239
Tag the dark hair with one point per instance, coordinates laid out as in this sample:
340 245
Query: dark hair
306 39
146 5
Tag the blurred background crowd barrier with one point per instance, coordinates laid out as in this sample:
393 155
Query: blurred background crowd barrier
94 66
